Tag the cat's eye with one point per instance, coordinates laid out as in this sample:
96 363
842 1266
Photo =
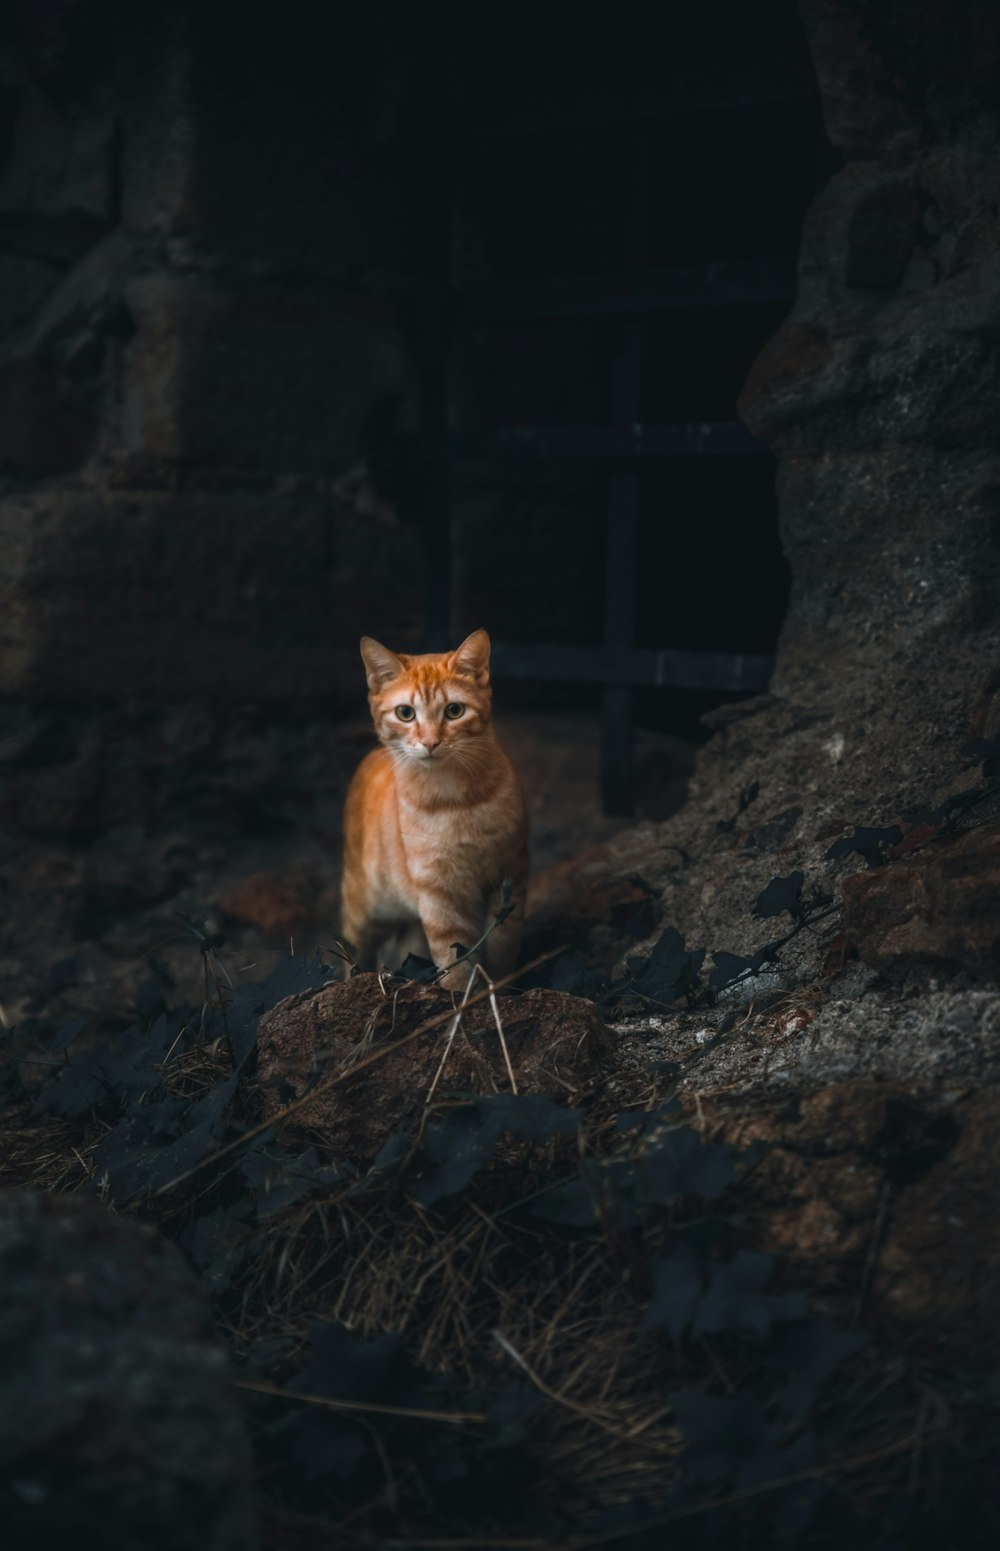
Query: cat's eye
406 713
454 710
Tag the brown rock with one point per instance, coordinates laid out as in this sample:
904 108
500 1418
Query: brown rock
555 1043
893 1178
940 1259
939 906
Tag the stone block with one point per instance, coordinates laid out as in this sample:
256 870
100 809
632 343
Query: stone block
254 375
222 597
118 1422
57 188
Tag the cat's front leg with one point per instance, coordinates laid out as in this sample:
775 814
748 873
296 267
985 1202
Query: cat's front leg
503 942
445 923
501 948
360 934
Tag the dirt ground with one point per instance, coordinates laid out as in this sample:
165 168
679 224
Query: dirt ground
118 822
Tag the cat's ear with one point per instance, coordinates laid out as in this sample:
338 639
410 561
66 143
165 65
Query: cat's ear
381 665
472 658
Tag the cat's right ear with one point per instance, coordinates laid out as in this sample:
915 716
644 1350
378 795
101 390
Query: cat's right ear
381 665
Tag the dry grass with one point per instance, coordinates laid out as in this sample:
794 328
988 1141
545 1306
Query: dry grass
481 1291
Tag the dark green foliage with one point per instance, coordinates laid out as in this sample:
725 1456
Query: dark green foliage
279 1179
342 1366
414 967
780 895
984 752
666 1198
155 1134
670 971
455 1148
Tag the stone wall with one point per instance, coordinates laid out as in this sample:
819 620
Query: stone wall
205 266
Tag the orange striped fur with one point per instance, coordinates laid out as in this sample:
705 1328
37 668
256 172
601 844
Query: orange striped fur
435 819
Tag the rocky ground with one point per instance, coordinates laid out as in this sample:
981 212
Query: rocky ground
116 821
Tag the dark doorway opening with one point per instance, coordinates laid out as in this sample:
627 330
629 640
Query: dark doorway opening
617 241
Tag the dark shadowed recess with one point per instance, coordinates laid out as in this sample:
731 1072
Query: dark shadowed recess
552 120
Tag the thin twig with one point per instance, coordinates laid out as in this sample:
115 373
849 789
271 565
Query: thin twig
874 1245
496 1019
449 1040
456 1418
551 1394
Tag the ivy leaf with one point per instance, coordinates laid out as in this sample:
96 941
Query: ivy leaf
511 1414
386 1165
796 1504
571 1205
248 1003
720 1433
736 1298
728 968
453 1151
323 1444
872 844
679 1164
344 1366
210 1109
414 967
463 1141
809 1350
677 1284
530 1116
780 895
217 1243
672 970
67 1034
78 1087
341 1366
280 1180
984 752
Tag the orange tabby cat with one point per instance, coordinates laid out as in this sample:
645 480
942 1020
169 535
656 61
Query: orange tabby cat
435 818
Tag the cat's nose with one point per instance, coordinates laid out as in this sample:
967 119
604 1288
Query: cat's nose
430 744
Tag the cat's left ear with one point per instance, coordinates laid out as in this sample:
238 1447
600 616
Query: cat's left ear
381 665
472 658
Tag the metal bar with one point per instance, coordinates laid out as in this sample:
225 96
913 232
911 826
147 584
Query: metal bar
665 290
622 532
619 634
705 438
432 479
746 672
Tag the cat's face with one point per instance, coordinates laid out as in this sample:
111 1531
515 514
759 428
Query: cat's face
431 709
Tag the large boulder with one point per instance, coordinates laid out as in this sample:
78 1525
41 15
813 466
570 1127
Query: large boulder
554 1042
119 1428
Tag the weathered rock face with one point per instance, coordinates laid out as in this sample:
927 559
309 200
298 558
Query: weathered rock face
881 393
879 397
940 908
118 1425
894 1181
555 1043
